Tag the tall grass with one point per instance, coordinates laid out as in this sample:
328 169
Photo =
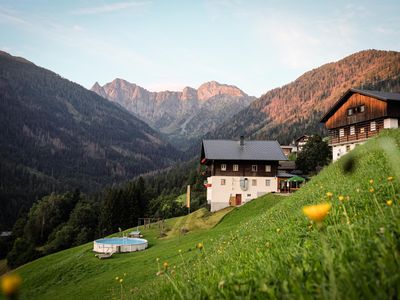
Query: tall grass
281 254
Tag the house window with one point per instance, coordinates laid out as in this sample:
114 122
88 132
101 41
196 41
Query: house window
254 168
347 148
373 126
362 130
267 168
267 182
350 112
223 181
235 168
361 108
254 182
223 167
341 132
352 130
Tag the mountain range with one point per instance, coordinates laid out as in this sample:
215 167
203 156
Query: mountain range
56 135
294 109
181 116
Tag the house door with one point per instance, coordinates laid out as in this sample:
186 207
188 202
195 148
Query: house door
238 199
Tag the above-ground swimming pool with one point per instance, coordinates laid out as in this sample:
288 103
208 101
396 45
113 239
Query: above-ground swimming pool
119 244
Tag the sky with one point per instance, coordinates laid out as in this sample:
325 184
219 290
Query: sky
167 45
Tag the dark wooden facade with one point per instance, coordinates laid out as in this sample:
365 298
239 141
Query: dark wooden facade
361 131
374 109
344 127
245 168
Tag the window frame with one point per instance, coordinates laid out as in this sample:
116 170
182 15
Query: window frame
268 168
223 167
341 132
254 168
352 130
254 182
350 111
235 168
268 182
372 126
223 181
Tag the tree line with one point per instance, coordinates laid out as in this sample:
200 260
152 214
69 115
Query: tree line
62 220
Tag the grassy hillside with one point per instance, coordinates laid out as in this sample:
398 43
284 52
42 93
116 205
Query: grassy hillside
280 254
265 249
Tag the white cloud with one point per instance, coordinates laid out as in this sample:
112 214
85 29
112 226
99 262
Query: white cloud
11 17
303 44
108 8
75 36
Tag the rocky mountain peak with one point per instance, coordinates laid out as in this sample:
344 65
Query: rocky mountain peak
182 115
213 88
189 93
98 89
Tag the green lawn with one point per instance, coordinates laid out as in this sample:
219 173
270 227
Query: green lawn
265 249
76 273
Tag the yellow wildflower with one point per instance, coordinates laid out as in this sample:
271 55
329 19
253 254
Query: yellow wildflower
180 251
341 198
371 190
165 265
329 194
371 181
390 178
199 246
317 212
120 281
10 284
117 278
389 202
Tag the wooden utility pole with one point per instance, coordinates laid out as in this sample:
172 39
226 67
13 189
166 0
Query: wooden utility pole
188 198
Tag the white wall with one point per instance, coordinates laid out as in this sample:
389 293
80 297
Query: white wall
218 195
340 150
391 123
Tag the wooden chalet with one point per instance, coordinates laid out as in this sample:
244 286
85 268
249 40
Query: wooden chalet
301 141
359 115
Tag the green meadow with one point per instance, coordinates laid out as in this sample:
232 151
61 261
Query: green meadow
266 249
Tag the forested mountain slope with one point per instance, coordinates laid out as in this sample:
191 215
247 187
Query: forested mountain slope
56 135
295 109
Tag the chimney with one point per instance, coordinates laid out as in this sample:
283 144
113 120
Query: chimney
241 142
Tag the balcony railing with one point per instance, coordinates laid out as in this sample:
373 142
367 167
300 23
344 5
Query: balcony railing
362 131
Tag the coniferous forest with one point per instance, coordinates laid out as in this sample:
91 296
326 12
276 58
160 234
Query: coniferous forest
56 136
61 220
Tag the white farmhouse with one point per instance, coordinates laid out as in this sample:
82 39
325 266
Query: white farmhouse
239 171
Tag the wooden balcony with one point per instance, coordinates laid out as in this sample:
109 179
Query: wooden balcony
361 132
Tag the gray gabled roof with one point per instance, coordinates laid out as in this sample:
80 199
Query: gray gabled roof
251 150
383 96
